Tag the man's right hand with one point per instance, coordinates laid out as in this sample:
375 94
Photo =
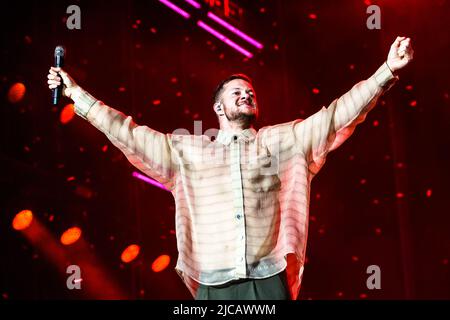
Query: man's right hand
54 80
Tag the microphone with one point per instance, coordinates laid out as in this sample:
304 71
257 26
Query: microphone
59 63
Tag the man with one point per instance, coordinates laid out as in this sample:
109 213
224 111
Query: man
242 200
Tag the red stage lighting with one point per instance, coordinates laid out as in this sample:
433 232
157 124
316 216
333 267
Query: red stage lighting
70 236
161 263
22 220
130 253
67 113
16 92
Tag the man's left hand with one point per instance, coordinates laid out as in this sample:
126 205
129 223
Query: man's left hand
400 54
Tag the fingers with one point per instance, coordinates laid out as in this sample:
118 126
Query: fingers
404 47
53 79
399 40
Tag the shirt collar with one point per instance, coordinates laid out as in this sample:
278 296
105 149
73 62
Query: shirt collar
225 137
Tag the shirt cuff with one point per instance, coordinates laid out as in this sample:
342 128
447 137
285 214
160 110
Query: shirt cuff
384 77
83 102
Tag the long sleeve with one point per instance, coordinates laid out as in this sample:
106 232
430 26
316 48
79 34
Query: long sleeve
148 150
328 128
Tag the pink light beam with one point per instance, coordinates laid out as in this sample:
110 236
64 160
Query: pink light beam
193 3
148 180
235 30
220 36
176 8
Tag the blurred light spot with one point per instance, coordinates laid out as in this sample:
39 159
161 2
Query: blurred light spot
429 192
84 192
355 258
375 123
160 263
105 148
363 296
409 87
70 236
312 16
22 220
378 231
400 195
28 40
156 102
16 92
67 113
315 91
130 253
400 165
413 103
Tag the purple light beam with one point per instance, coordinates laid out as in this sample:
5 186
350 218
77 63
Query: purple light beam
235 30
193 3
220 36
176 9
148 180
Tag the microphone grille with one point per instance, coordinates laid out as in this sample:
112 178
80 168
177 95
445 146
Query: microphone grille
59 51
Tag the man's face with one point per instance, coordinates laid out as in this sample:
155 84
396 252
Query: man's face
239 101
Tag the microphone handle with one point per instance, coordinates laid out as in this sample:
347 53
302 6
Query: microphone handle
57 92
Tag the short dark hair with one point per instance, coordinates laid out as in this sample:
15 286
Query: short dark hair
219 88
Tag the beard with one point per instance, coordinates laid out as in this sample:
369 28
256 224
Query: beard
242 118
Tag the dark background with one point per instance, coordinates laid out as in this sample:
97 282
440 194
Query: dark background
357 216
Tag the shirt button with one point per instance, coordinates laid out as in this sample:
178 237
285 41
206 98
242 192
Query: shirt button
238 216
235 138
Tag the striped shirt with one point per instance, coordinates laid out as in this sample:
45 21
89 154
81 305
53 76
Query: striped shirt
242 200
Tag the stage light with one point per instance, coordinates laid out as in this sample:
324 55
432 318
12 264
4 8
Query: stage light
148 180
160 263
22 220
130 253
67 113
16 92
235 30
178 10
70 236
220 36
193 3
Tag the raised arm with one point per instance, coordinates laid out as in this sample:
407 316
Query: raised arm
148 150
328 128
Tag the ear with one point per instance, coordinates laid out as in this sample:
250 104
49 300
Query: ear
218 108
